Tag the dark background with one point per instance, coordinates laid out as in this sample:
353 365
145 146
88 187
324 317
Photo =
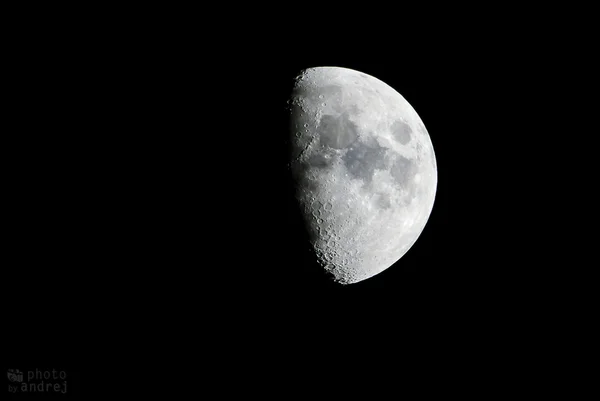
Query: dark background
153 211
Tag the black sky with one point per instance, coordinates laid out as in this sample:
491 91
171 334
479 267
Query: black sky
153 204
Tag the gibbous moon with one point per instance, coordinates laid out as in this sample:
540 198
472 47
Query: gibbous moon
364 168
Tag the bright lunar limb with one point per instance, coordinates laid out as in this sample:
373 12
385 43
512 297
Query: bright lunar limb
364 168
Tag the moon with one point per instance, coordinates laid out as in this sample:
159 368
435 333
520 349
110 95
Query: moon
364 170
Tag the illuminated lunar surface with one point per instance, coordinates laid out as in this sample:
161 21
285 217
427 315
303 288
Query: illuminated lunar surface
364 168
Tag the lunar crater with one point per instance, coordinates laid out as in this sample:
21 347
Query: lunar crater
401 132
